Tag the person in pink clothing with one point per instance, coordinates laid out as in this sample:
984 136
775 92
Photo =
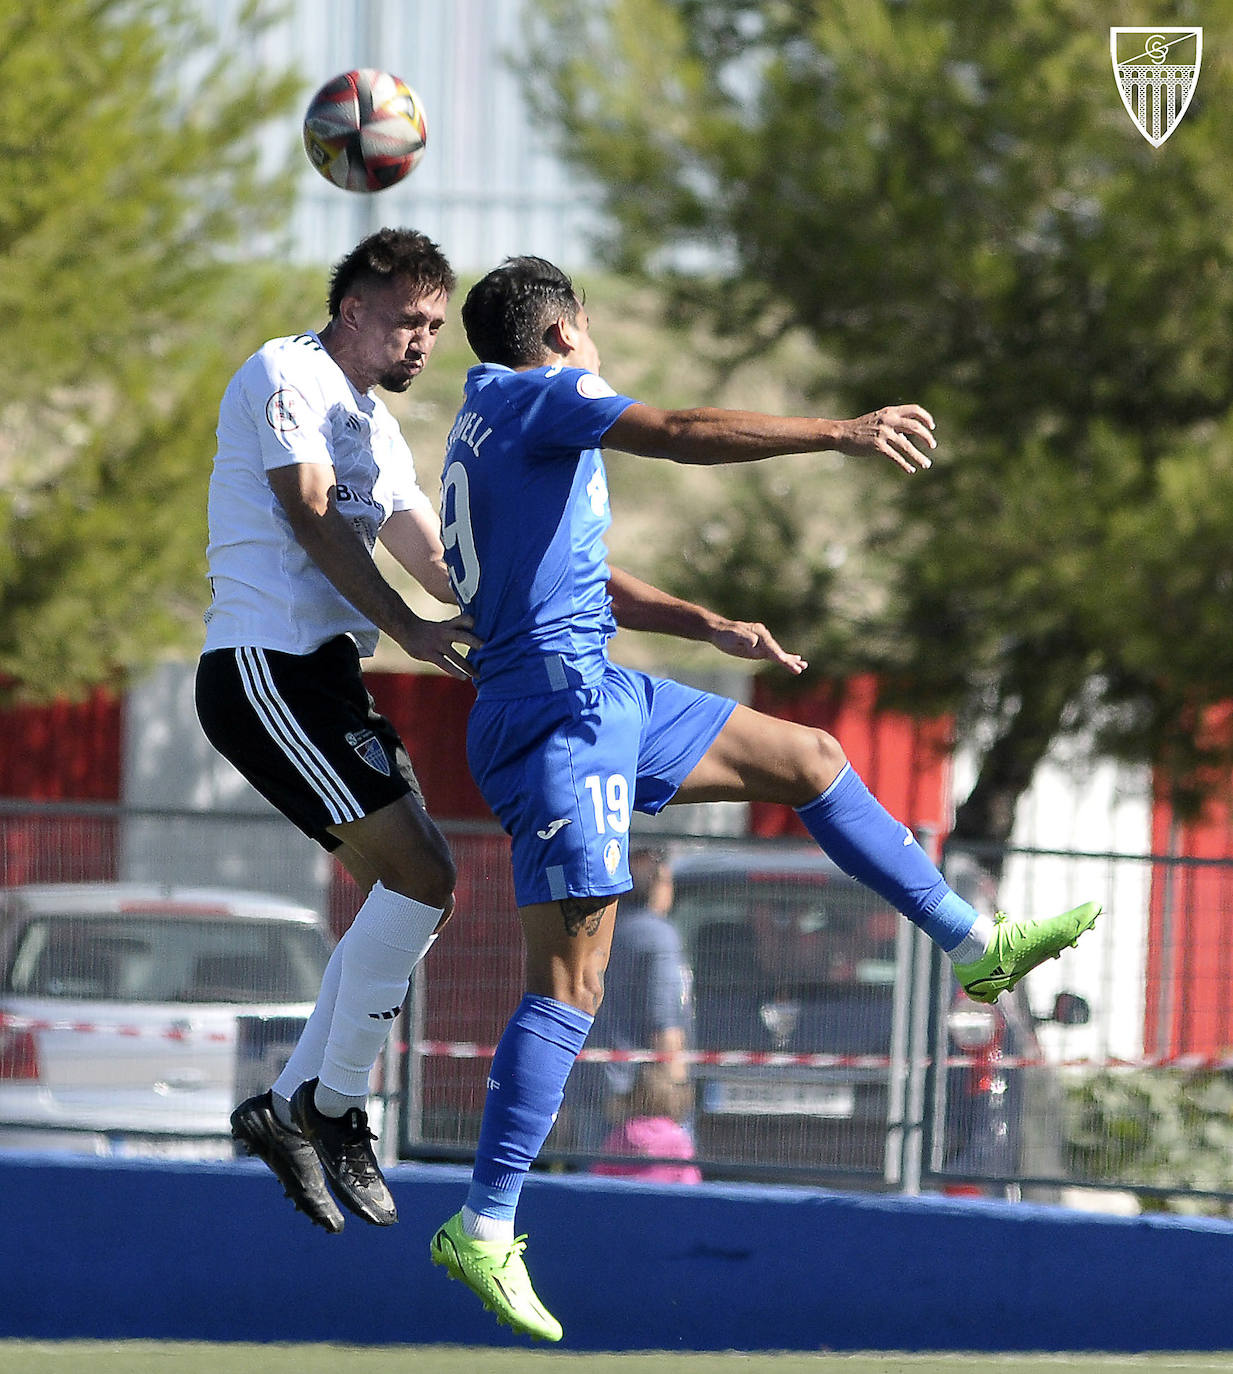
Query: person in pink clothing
652 1134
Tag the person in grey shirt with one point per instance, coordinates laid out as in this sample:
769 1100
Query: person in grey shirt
647 1004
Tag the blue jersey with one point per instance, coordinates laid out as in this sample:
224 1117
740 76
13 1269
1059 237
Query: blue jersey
524 510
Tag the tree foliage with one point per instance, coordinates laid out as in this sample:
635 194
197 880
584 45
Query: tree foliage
949 197
129 178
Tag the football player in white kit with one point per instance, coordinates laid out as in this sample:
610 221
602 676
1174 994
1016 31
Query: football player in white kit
311 471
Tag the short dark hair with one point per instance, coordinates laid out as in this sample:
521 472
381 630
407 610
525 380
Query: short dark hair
387 254
507 313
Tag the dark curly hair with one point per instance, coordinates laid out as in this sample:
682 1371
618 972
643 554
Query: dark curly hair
387 254
508 312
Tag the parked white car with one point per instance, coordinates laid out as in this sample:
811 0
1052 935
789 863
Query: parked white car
121 1008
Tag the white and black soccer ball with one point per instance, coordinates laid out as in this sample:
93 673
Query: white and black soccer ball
365 130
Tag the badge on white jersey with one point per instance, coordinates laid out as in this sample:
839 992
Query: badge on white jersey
281 410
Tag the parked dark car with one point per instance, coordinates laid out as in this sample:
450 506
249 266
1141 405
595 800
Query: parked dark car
793 958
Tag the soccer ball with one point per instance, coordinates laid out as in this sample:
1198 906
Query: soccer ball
365 130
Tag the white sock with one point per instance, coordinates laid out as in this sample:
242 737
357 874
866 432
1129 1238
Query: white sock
487 1228
305 1060
389 936
330 1103
975 943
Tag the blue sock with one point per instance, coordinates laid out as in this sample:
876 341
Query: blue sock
525 1087
866 841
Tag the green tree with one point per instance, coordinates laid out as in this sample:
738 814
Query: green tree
950 199
128 181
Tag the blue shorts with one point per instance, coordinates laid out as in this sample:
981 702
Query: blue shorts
564 771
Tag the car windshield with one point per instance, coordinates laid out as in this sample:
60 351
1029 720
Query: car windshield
795 930
143 959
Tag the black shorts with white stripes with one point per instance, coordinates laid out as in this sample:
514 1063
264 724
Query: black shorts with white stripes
304 731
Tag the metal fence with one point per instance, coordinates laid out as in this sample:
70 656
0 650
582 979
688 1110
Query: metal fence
828 1042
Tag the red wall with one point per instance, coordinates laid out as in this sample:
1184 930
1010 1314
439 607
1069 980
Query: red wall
1189 1007
905 763
68 751
72 751
430 713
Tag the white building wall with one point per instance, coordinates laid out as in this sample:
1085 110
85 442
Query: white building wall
1104 810
489 184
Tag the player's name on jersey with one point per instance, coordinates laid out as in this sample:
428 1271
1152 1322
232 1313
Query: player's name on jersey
466 431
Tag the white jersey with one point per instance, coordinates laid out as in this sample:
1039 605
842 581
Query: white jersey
292 403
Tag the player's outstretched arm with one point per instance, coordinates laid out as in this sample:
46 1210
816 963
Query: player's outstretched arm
637 605
904 434
304 490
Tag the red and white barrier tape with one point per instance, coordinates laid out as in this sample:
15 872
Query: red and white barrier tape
183 1033
769 1059
463 1049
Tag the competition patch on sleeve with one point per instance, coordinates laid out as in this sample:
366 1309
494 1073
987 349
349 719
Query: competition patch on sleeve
593 388
282 410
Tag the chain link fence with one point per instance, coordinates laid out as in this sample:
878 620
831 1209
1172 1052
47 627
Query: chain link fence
827 1042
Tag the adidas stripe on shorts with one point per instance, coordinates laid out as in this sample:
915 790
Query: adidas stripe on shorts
304 731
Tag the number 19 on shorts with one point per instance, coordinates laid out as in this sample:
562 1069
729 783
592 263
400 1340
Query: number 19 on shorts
610 798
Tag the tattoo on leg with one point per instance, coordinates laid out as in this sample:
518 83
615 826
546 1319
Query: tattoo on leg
582 914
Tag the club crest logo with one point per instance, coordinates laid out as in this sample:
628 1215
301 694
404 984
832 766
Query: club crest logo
612 856
1156 71
369 748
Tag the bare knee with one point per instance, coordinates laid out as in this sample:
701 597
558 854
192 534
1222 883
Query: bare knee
817 759
429 875
582 988
758 757
404 849
822 760
591 985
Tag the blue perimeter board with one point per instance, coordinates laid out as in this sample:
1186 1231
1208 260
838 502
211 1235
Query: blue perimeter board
108 1249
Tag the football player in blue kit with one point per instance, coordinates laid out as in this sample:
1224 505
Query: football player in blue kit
565 744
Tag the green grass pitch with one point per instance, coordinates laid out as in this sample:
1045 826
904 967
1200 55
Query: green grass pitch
170 1357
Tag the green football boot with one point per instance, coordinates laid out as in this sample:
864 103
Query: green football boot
495 1273
1018 946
